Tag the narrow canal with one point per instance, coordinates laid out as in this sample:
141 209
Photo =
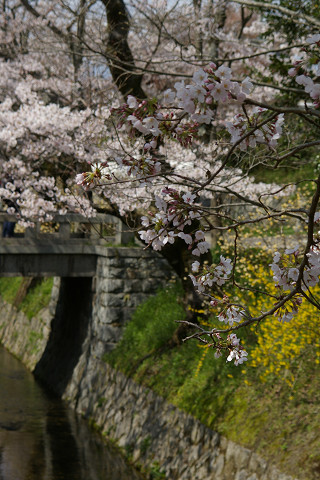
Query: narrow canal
42 439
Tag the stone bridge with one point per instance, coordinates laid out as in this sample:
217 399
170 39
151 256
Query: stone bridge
69 246
98 283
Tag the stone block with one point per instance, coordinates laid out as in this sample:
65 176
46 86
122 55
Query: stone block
127 313
114 272
106 315
241 475
101 285
135 264
240 455
115 262
197 433
108 333
272 473
218 465
97 349
111 299
132 300
185 474
223 444
114 285
257 464
145 271
212 440
132 286
202 473
230 468
253 477
151 285
132 273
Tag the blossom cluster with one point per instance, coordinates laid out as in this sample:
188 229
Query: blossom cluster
310 87
93 177
286 272
31 196
175 212
143 168
267 134
210 86
149 119
180 114
231 315
235 350
209 275
304 79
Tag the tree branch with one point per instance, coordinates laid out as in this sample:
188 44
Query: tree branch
295 16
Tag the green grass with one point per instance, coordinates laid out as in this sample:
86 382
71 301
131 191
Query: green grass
33 341
9 287
36 298
280 422
284 174
152 326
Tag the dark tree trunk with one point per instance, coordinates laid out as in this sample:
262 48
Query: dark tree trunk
120 58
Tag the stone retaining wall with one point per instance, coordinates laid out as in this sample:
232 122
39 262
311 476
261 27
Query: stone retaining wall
155 433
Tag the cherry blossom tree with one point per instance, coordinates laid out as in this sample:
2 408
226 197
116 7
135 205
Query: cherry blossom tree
161 111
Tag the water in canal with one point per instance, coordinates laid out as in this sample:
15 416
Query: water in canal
42 439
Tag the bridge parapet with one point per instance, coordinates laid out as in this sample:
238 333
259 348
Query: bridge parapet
71 228
67 247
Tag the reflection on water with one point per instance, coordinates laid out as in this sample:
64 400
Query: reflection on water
41 439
